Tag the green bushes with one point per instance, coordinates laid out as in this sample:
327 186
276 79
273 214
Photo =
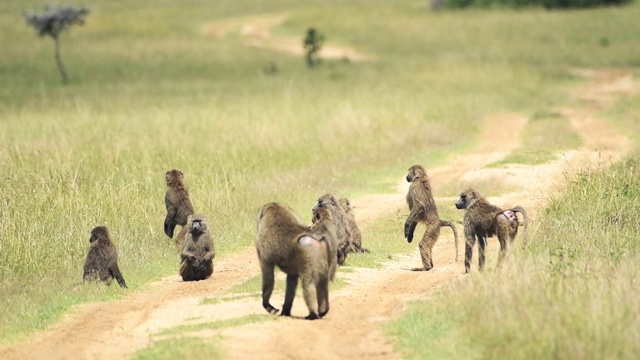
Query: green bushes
549 4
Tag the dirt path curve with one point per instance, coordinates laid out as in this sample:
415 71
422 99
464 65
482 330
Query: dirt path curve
256 32
352 327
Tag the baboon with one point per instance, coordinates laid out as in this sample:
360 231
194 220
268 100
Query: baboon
339 220
322 217
356 235
483 220
102 259
284 241
198 251
178 206
422 208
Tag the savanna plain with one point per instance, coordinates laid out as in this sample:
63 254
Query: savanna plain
532 107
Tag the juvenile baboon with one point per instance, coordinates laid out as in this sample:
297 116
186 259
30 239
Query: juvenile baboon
102 259
178 206
356 235
483 220
339 220
422 209
198 251
284 241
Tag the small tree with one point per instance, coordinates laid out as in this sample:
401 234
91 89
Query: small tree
312 44
52 21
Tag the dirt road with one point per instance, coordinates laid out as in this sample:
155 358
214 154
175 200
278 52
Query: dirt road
351 330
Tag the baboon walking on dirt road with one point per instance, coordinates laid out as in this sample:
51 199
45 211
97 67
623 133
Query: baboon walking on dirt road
422 209
483 220
284 241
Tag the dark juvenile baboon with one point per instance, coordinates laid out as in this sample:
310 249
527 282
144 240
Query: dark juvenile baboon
178 206
339 220
102 259
321 217
284 241
422 208
356 235
198 251
483 220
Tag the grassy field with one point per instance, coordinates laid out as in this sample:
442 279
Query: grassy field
150 91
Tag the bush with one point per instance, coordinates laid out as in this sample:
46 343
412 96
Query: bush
549 4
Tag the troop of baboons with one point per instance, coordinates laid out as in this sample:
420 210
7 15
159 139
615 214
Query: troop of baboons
313 252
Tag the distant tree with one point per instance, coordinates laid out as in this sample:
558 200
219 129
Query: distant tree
52 21
312 44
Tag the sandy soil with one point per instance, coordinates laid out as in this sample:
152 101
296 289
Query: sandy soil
351 330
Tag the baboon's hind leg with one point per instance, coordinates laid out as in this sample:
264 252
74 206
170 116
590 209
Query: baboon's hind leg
426 247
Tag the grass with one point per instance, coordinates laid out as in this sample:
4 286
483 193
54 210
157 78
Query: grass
570 294
548 133
145 98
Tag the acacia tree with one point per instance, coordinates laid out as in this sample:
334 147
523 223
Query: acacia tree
52 21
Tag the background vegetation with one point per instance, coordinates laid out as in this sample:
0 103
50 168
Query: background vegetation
150 90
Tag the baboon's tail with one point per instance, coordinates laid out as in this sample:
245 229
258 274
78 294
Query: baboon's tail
455 233
330 260
521 210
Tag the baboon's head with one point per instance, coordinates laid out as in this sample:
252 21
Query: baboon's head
346 204
326 201
173 177
321 214
197 224
99 233
416 172
467 198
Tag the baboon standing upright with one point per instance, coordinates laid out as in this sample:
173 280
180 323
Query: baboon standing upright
198 251
422 208
102 259
356 235
483 220
178 206
339 220
284 241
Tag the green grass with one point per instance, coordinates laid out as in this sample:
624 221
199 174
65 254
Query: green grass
150 92
546 135
569 294
181 348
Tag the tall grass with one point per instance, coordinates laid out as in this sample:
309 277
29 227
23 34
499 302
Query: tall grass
571 294
149 91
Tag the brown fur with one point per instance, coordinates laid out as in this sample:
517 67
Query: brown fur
339 220
198 251
483 220
102 259
356 235
322 217
422 209
178 206
300 252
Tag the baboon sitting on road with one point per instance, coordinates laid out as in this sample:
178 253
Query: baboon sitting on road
339 220
483 220
356 235
284 241
178 206
198 251
422 208
322 217
102 259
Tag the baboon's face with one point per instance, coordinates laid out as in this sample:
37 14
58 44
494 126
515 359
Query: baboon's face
325 202
198 225
416 171
466 198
